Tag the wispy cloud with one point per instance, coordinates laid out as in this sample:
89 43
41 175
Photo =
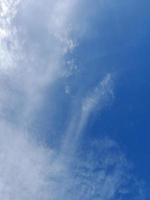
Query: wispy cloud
96 99
35 38
32 58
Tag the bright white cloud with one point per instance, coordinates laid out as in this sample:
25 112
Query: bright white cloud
24 166
31 64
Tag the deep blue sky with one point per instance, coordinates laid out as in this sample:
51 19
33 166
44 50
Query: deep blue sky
120 42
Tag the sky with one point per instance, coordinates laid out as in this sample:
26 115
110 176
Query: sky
74 100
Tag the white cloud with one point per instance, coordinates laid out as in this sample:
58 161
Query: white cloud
100 94
34 39
30 64
96 99
31 171
24 166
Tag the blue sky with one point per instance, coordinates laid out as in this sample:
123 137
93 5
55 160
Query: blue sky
74 100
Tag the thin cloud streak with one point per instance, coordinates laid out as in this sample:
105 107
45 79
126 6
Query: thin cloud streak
97 99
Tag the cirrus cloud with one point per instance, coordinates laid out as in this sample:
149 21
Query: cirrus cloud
35 38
